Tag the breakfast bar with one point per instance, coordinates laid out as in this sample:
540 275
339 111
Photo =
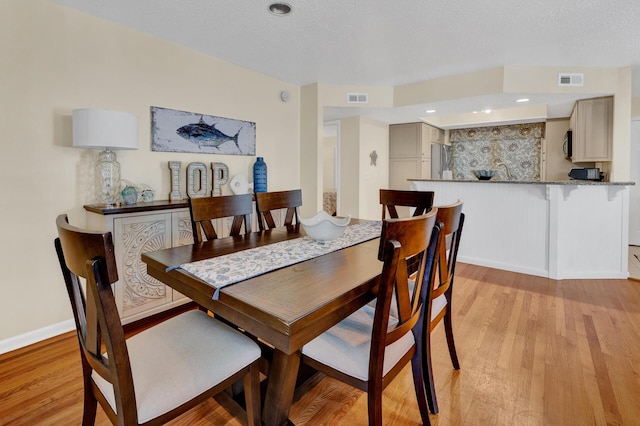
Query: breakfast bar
560 230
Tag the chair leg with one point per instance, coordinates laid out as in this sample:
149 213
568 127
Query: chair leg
374 402
90 407
427 371
252 395
448 329
418 384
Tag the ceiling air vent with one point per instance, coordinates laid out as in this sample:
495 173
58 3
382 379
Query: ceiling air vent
357 98
570 79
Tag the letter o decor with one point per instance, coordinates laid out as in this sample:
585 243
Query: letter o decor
201 190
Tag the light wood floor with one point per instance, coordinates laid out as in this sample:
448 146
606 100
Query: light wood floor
634 262
533 352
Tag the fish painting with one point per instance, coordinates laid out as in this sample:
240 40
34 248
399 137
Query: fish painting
203 134
182 131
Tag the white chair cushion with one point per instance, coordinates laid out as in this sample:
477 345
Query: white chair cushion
345 347
438 304
181 358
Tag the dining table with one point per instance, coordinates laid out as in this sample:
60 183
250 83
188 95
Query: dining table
286 307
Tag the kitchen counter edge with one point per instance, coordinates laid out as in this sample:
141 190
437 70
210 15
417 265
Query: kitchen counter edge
564 182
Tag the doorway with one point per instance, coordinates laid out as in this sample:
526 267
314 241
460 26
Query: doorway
331 167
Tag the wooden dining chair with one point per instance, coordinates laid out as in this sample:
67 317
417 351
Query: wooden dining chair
440 293
369 348
159 373
205 210
391 199
266 202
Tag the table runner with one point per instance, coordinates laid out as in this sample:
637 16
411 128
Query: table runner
232 268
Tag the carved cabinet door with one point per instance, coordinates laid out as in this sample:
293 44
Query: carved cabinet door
136 291
181 234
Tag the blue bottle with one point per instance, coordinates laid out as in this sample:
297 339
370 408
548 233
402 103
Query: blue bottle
260 175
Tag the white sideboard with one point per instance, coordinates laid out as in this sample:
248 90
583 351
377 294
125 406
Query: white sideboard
136 229
559 230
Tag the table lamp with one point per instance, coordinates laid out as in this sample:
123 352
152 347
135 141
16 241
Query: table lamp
106 130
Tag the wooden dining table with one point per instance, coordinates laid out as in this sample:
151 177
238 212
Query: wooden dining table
287 307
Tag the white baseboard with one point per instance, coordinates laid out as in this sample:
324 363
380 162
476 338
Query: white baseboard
504 266
35 336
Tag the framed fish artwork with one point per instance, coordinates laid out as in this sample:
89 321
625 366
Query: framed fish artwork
182 131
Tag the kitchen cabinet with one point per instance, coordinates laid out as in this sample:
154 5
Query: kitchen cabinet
410 152
592 124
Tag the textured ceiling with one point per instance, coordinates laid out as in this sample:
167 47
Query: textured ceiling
374 42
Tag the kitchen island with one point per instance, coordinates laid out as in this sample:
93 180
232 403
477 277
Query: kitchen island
559 230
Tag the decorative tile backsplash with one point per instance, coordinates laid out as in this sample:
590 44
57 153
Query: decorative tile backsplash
517 146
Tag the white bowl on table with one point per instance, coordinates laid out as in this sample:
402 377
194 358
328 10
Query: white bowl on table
323 227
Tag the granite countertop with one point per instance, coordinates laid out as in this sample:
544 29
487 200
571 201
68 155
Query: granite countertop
563 182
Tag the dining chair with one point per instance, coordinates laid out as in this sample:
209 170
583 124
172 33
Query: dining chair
369 348
440 293
266 202
159 373
206 209
393 198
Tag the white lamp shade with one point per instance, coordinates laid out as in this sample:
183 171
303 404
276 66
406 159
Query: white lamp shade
104 129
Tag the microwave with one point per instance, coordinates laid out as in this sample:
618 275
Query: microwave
567 145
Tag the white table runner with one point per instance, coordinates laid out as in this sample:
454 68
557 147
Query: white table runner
222 271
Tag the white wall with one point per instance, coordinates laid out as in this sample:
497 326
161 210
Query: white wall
55 59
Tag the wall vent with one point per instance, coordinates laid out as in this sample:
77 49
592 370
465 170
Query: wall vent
357 98
570 79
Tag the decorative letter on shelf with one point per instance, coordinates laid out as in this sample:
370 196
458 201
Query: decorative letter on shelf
201 190
220 177
175 180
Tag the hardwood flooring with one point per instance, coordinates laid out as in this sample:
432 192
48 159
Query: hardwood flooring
532 351
634 262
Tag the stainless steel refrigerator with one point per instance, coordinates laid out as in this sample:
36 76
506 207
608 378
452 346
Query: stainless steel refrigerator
441 161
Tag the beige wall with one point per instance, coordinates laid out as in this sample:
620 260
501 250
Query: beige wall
310 150
328 159
374 136
55 59
349 193
360 181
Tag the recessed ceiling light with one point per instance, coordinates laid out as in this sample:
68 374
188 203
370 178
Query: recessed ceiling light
486 111
429 111
522 100
280 9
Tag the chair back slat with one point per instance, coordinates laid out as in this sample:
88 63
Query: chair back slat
90 255
206 209
266 202
390 199
451 219
404 244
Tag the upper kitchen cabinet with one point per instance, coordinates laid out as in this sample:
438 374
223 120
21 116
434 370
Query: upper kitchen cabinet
410 152
592 125
413 139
